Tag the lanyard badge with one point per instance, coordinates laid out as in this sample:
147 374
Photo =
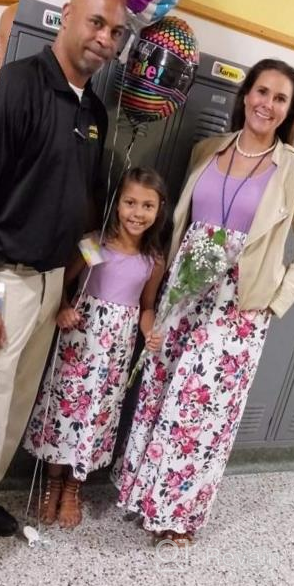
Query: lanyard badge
90 249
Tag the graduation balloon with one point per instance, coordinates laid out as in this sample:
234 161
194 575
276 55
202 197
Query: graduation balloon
145 12
159 72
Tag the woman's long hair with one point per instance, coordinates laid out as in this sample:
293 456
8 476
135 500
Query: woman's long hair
150 243
285 130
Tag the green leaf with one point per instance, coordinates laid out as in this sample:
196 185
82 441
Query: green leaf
185 268
220 237
183 274
175 295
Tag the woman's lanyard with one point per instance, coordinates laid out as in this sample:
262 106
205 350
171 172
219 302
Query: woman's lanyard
225 214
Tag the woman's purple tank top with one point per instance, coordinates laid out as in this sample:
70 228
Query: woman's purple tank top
207 197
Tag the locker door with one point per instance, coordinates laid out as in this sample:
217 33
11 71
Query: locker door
283 431
269 414
206 112
24 45
271 381
31 30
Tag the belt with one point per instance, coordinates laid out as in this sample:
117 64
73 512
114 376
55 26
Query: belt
19 268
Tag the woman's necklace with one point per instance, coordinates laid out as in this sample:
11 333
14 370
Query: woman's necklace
252 155
225 214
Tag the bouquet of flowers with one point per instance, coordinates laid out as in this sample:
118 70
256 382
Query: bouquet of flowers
202 262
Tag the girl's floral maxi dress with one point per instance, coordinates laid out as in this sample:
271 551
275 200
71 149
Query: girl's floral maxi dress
76 415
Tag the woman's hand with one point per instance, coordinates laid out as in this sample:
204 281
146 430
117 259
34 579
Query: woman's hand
154 341
68 318
3 337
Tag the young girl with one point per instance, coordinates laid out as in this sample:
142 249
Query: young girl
97 340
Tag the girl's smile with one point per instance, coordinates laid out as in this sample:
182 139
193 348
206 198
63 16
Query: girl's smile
137 209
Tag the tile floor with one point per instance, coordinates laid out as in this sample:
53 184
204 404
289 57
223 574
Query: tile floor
248 542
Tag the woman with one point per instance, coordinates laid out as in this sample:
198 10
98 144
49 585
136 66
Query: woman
194 392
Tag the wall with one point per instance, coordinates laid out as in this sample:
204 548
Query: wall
260 17
225 42
229 44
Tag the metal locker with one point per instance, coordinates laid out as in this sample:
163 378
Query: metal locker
35 25
261 422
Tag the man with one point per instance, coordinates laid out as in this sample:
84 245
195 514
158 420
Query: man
6 21
52 134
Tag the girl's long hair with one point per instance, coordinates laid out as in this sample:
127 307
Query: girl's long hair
150 244
285 130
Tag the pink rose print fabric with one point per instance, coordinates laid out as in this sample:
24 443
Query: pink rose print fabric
88 389
191 401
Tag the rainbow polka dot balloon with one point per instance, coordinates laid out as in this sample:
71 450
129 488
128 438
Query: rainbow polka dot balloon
160 71
174 34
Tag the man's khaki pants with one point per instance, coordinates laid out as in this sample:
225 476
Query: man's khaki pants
31 303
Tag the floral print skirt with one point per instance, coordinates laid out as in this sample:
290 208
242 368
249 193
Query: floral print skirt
191 401
87 389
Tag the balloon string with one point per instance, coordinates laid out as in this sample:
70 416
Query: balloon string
118 112
40 459
106 214
126 166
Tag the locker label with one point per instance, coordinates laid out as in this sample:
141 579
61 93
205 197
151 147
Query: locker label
52 19
228 72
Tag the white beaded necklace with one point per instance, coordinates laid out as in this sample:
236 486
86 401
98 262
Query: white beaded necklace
252 155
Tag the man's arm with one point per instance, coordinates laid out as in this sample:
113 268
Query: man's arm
15 118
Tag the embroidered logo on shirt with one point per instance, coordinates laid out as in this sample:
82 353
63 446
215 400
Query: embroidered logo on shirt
93 132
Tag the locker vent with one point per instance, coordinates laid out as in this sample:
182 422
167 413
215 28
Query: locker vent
251 421
210 121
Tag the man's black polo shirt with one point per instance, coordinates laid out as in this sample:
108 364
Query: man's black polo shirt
50 154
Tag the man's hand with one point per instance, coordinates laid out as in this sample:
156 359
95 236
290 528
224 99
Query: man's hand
68 318
3 337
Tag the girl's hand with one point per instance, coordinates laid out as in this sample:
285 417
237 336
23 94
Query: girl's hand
3 338
154 341
68 318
